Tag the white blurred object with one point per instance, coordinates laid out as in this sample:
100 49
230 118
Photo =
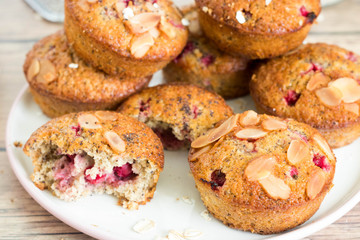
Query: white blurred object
329 2
51 10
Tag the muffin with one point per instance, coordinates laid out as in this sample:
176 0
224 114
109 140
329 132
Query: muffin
202 64
94 152
318 85
261 173
177 113
257 29
128 38
61 82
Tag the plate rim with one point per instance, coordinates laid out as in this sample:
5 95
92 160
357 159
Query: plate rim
298 233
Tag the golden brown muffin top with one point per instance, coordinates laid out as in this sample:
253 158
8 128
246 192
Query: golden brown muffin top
52 67
311 85
199 53
148 29
98 133
186 107
262 16
263 162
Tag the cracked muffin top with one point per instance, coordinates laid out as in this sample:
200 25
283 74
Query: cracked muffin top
262 16
134 28
263 162
52 67
317 84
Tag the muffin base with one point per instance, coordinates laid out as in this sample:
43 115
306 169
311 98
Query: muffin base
261 221
336 137
228 85
251 45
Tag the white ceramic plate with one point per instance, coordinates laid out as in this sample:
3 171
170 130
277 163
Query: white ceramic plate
99 215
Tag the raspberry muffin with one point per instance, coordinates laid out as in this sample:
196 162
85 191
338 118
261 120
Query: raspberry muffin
177 113
200 63
130 38
80 154
257 29
318 85
261 173
62 83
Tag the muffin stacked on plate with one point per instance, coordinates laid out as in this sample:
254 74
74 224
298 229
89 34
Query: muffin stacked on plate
201 63
110 51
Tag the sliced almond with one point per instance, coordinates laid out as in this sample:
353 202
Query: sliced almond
316 183
349 88
141 45
249 118
319 79
154 33
143 22
352 107
260 167
34 69
297 151
250 133
330 96
47 73
106 116
88 121
92 1
167 28
216 133
324 146
198 153
275 187
115 142
272 124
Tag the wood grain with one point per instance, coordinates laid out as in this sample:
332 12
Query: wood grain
20 216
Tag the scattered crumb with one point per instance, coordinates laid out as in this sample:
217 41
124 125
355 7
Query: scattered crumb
177 199
18 144
12 200
1 171
144 225
94 225
192 234
206 215
188 200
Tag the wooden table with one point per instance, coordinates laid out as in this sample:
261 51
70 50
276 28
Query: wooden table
20 216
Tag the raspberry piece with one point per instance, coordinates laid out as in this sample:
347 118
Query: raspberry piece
207 60
217 179
77 130
309 15
320 161
294 173
291 97
168 139
351 56
189 47
124 172
97 180
128 1
195 112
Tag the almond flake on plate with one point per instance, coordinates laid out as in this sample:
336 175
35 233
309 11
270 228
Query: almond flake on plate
174 235
144 225
206 215
188 200
192 234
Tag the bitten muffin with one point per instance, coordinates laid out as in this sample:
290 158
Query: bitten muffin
202 64
61 82
84 153
177 113
130 38
261 173
257 29
318 85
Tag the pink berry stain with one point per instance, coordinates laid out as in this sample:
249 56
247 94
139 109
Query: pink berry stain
291 98
98 179
168 139
294 172
320 161
351 56
195 112
313 68
207 60
77 130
